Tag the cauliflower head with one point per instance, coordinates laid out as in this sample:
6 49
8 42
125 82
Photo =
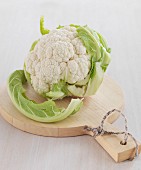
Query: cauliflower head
68 61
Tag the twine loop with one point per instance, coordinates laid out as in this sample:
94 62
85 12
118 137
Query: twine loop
100 131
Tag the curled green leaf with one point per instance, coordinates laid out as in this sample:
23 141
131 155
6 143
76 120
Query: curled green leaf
43 112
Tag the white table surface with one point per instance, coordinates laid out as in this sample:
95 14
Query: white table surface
120 22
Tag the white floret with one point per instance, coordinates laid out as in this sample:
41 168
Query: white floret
58 55
62 51
79 47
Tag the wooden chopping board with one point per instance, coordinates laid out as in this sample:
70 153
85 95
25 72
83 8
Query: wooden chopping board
108 97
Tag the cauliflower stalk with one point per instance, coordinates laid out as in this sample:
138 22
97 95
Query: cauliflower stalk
68 61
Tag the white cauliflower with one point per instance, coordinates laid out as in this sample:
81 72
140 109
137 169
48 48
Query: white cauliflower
56 55
67 61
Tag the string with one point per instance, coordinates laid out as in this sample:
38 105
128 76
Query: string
100 131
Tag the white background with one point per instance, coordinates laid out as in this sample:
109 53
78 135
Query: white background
120 22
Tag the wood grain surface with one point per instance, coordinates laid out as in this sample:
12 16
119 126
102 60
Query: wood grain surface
120 23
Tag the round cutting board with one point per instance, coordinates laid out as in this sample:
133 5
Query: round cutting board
109 96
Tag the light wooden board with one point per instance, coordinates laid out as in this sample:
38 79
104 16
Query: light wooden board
108 97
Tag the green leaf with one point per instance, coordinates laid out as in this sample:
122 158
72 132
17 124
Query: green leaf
42 29
33 45
106 58
76 91
83 82
43 112
90 42
27 75
73 25
97 48
95 81
103 41
59 27
58 91
109 50
55 95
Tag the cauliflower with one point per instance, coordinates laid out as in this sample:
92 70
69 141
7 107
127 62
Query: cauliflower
68 61
61 63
